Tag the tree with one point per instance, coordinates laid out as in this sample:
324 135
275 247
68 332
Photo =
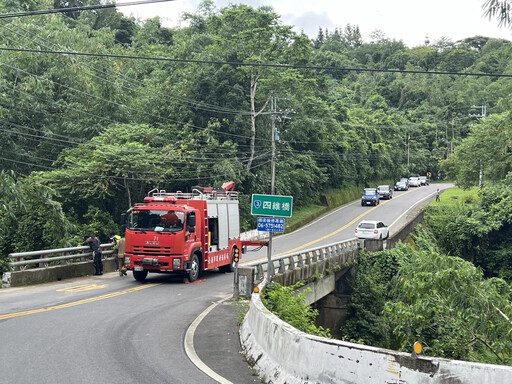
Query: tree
31 216
446 303
499 9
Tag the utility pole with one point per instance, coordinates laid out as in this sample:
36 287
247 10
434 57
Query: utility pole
482 114
275 137
453 137
408 137
273 111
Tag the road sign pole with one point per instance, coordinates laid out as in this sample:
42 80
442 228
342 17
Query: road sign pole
272 179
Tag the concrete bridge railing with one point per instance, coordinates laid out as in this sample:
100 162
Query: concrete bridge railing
298 266
282 354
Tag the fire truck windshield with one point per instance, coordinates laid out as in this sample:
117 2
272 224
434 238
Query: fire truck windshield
157 220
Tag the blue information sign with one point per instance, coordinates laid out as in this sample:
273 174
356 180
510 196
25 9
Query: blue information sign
271 224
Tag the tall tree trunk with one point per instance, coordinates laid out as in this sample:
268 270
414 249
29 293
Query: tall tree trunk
254 114
128 192
254 85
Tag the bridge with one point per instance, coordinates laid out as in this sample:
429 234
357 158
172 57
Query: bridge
280 353
284 355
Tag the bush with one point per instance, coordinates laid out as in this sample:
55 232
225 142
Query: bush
289 305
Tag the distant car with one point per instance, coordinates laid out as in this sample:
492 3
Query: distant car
372 229
370 197
401 186
385 192
424 180
414 182
406 181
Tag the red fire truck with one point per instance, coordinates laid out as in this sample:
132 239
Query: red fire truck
184 232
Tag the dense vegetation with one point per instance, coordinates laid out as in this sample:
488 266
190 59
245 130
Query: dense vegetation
133 106
449 288
288 303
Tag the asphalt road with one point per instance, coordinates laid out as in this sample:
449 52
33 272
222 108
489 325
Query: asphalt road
108 329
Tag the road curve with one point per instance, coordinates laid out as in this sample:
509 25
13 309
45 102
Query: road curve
108 329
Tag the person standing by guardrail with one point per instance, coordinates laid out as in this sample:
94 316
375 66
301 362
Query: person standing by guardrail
115 248
94 244
120 256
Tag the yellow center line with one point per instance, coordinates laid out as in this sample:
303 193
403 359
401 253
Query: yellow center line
81 288
75 303
326 236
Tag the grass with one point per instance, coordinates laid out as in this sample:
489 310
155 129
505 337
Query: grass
305 213
455 196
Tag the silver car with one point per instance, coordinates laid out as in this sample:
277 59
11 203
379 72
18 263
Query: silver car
414 182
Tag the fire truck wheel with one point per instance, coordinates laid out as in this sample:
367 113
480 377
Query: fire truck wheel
193 274
140 275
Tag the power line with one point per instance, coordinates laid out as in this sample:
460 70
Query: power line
78 9
133 109
261 65
188 102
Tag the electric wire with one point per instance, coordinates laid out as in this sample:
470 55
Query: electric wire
133 109
79 9
262 65
183 101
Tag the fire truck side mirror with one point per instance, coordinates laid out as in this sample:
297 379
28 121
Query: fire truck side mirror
191 221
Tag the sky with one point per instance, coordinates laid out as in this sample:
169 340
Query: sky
410 21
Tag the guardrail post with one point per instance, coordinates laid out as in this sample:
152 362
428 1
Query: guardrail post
282 267
272 269
260 272
300 262
291 263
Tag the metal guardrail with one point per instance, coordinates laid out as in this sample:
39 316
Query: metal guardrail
296 260
20 261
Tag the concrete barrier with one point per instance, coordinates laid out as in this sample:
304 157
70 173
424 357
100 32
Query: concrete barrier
284 355
55 273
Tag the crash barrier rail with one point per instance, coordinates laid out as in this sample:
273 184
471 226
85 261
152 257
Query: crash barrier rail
296 266
21 261
295 260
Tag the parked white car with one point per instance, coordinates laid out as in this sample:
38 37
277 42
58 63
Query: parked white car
372 229
414 182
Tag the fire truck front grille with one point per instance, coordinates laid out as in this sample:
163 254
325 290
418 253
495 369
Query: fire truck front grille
152 251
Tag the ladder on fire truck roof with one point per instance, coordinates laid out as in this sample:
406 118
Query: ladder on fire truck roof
198 193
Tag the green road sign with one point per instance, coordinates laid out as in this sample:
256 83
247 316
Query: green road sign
272 205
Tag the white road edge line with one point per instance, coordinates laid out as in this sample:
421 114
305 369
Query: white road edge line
189 344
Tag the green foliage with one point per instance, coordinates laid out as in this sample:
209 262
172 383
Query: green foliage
489 141
289 305
446 303
370 292
404 295
30 217
475 225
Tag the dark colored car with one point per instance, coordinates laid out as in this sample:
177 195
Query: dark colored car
406 181
385 192
401 186
370 197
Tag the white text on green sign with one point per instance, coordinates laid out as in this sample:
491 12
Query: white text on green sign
272 205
